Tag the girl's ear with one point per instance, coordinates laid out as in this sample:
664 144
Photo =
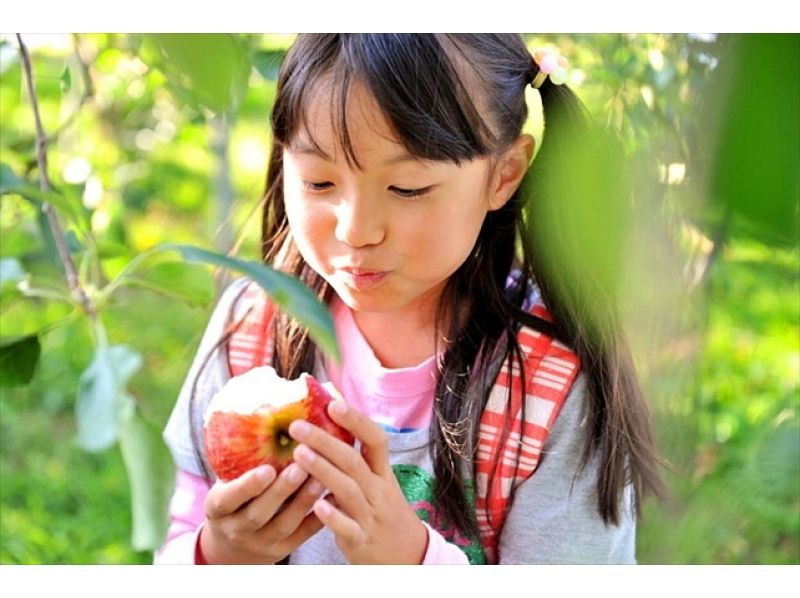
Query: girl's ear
510 169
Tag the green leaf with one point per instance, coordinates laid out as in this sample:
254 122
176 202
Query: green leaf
757 145
286 291
102 400
66 204
151 475
18 360
26 317
66 79
190 284
268 63
212 68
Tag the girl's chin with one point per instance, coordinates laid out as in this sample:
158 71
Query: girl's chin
376 300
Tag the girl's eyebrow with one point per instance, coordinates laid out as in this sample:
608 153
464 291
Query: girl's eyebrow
305 149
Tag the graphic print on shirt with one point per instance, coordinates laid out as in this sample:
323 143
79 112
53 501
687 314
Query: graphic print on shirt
417 486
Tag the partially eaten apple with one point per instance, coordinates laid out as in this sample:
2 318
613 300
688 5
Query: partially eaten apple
247 421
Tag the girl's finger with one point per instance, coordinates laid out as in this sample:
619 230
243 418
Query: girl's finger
347 491
263 508
375 443
346 530
341 454
226 498
307 528
285 524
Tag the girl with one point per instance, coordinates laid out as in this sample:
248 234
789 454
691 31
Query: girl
495 425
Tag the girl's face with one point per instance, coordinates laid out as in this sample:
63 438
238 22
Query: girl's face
411 222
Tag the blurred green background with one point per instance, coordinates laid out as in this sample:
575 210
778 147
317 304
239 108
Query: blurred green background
164 138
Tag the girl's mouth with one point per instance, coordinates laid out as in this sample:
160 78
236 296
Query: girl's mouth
362 279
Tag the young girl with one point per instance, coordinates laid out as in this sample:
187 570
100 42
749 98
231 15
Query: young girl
494 425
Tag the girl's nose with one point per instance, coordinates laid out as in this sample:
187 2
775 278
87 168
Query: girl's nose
359 222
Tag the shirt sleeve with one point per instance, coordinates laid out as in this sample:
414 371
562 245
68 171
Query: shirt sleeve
441 552
206 380
186 518
553 517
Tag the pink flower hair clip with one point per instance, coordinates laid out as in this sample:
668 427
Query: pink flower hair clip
550 63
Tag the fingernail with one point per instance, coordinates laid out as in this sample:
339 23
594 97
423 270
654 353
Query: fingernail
264 473
299 429
324 508
305 454
338 407
295 474
314 487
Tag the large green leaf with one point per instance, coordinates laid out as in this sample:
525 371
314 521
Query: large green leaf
18 360
755 96
151 475
286 291
210 69
102 400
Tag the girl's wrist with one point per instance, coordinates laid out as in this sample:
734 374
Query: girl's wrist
423 542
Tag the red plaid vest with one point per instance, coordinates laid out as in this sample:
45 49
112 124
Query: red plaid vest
550 368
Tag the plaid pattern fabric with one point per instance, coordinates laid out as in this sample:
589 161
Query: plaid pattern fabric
508 447
249 346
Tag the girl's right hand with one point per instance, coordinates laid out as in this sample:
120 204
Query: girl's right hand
246 524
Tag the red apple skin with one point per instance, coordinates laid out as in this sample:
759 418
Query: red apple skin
236 442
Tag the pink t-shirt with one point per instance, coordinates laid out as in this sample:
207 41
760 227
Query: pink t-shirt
401 400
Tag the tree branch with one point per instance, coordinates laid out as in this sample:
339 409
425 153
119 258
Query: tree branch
44 182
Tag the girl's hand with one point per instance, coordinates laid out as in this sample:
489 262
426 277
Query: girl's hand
372 521
245 522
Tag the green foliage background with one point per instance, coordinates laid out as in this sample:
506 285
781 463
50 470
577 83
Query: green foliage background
145 151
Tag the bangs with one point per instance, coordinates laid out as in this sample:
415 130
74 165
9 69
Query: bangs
415 79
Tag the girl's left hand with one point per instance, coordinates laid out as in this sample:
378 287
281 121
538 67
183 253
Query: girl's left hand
372 521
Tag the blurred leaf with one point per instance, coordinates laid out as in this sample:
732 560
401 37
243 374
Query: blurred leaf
25 317
286 291
192 285
19 241
268 63
73 244
66 79
11 271
151 475
756 172
18 359
213 69
580 210
102 399
67 204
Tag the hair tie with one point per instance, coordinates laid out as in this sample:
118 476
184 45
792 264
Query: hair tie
549 63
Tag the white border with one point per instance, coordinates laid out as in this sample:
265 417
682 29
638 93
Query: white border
568 16
439 581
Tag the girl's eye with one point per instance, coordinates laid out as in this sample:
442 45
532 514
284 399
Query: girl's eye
316 186
411 192
407 193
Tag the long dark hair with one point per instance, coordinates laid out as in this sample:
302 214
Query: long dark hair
457 97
